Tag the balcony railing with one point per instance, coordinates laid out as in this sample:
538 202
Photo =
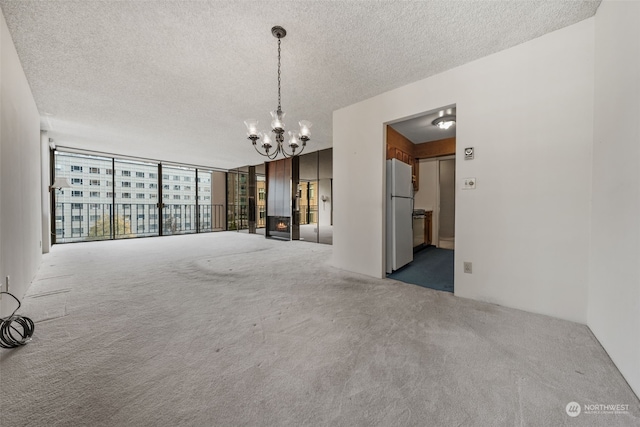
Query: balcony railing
308 216
100 221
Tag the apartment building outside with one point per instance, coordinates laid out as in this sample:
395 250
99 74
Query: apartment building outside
119 198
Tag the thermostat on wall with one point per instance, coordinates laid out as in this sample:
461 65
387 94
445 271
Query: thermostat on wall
468 153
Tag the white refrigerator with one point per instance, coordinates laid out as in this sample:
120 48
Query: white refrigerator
399 215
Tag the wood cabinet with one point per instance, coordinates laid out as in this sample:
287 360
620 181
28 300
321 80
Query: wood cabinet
428 233
399 147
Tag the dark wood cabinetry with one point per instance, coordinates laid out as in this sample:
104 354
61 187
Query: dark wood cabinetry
428 234
399 147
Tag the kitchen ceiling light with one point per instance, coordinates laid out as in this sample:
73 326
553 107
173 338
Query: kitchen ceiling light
445 122
295 140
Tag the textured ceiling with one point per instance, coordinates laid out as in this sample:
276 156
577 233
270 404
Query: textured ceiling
174 80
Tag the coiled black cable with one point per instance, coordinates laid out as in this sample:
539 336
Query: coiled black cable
15 330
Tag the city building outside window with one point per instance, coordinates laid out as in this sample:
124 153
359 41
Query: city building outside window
104 209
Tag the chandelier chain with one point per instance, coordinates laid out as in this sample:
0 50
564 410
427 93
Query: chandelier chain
279 106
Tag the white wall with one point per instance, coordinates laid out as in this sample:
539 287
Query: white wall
20 177
528 112
614 280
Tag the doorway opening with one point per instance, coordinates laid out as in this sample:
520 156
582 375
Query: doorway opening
430 151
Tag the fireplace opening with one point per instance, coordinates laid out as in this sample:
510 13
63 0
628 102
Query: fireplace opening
279 227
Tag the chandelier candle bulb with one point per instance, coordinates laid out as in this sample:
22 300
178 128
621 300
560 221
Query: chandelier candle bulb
293 140
252 127
266 141
277 124
305 129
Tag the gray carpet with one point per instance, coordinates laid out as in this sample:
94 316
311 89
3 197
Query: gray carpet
231 329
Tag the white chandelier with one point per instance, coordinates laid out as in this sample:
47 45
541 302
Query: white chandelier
295 140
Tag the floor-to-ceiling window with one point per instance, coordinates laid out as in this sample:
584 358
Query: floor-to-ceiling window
85 210
210 212
178 200
135 189
237 199
115 198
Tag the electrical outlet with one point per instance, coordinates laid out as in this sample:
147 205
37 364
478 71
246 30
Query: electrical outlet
5 286
467 267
